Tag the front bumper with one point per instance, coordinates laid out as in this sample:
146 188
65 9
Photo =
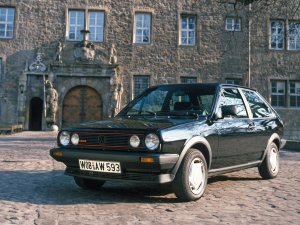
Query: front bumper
132 169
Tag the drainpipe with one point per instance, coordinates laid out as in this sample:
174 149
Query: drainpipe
249 47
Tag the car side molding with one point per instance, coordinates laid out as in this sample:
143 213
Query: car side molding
230 169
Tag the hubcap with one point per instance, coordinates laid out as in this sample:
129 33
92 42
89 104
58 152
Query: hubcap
197 176
274 160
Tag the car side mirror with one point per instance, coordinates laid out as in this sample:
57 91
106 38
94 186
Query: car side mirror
226 110
229 110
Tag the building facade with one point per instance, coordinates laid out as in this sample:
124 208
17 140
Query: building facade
99 54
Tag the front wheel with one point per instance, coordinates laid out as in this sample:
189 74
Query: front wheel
191 178
88 183
270 166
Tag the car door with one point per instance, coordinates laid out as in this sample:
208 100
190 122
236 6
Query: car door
234 131
263 120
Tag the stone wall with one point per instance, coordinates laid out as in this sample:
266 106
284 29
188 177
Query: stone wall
217 55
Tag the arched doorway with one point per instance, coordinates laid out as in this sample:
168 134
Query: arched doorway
81 104
35 114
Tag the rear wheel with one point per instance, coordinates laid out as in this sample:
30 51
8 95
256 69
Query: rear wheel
90 184
270 166
191 178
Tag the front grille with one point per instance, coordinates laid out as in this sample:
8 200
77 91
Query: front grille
106 141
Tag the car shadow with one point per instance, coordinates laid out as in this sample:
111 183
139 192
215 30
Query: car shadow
231 178
54 188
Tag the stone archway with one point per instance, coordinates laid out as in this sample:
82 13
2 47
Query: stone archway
81 104
35 114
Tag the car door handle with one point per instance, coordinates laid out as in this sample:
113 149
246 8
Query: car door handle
251 126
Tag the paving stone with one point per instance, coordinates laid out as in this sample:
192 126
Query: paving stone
34 190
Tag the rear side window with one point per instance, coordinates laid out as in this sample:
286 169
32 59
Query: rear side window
258 107
230 97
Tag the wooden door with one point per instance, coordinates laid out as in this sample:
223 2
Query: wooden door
81 104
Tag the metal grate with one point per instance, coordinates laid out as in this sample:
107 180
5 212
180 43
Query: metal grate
106 141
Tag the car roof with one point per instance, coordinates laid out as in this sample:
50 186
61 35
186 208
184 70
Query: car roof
207 85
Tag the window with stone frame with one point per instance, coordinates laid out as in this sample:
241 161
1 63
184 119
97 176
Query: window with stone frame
233 24
277 34
187 30
188 80
294 94
7 18
142 28
96 26
140 83
79 20
278 95
294 35
234 81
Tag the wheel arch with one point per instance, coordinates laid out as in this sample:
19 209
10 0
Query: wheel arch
199 143
275 138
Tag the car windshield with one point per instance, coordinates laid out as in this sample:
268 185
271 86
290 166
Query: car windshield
172 100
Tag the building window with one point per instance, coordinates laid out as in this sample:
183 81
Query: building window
96 26
295 94
188 80
294 36
277 34
187 30
142 28
234 81
76 24
79 20
140 83
233 24
7 16
278 93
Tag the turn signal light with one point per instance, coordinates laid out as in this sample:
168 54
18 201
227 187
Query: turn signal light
147 160
57 154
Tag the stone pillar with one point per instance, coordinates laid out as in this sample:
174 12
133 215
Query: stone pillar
22 99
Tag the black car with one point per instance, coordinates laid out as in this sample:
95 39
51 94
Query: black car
179 134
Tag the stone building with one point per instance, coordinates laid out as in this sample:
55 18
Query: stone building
99 54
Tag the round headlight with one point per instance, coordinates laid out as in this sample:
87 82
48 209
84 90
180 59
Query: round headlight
152 141
75 139
64 138
134 141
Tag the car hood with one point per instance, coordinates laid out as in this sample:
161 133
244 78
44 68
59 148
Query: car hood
137 123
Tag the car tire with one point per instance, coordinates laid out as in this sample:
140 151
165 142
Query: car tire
270 166
191 178
89 184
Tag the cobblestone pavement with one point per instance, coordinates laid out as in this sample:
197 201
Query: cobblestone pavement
34 190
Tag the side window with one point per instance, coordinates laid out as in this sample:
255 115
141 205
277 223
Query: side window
257 105
230 97
180 101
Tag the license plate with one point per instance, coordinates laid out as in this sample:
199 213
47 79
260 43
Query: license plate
100 166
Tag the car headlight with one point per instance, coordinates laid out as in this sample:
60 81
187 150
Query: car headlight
134 141
64 138
75 139
152 141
